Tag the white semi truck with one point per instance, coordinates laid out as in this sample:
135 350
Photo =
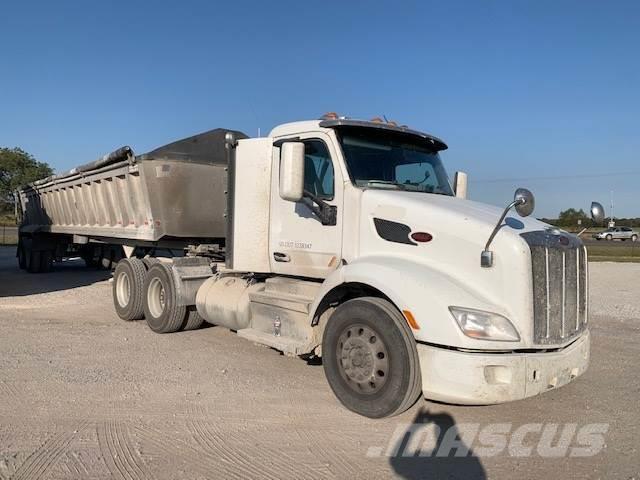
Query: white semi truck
336 238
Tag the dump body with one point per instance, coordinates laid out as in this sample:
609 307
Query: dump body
175 191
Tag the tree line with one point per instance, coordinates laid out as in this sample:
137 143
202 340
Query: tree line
574 218
18 168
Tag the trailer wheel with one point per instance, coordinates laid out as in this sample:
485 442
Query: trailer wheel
128 283
46 261
370 358
33 261
192 319
161 308
22 257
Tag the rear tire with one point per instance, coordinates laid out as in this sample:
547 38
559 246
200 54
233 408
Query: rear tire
33 261
370 358
22 257
128 284
192 319
46 261
161 308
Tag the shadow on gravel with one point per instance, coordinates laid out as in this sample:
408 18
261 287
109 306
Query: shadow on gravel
64 276
418 455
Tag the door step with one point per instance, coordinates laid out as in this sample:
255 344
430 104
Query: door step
286 345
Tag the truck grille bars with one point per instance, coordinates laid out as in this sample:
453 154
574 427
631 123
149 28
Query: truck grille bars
559 267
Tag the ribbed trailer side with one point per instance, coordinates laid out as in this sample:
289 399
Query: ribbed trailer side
178 191
147 200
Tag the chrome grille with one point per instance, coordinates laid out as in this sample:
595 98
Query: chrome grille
559 268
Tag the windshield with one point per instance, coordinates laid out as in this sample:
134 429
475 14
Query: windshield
388 160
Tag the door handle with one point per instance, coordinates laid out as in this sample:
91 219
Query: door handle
281 257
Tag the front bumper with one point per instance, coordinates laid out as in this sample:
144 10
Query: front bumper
486 378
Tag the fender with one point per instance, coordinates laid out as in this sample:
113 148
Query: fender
424 291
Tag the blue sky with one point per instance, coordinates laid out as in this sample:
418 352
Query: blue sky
521 90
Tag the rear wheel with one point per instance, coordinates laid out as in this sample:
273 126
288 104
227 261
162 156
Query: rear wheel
33 261
128 284
22 257
161 308
46 261
192 319
370 358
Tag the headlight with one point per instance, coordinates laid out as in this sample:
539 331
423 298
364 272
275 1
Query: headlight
484 325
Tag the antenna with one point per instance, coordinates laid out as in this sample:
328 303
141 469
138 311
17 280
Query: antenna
258 132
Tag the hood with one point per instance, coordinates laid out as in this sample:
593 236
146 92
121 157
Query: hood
459 229
447 216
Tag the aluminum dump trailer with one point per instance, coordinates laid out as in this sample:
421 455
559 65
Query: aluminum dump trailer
160 194
173 194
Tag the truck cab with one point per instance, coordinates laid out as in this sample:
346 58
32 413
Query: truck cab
363 215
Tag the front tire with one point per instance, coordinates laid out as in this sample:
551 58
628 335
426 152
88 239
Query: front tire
370 358
161 308
128 284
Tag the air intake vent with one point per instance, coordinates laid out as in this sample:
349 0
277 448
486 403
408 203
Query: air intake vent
393 231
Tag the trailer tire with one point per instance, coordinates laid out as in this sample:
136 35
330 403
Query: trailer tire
370 358
33 261
22 257
161 308
128 284
192 319
46 261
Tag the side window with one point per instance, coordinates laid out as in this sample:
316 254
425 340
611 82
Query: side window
318 169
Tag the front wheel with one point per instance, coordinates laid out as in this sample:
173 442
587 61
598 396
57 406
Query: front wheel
370 358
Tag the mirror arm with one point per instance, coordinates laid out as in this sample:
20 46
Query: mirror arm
486 258
325 212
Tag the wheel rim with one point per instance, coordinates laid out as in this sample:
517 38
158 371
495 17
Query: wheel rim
156 297
363 359
123 289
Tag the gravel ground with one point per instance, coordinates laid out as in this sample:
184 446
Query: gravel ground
85 395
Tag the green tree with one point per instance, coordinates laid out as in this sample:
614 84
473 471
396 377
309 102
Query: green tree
18 168
570 217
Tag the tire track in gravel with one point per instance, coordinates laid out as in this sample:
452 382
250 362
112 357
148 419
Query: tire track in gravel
37 464
194 457
8 389
261 460
271 462
322 444
120 458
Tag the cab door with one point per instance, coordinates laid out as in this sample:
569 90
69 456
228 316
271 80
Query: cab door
299 243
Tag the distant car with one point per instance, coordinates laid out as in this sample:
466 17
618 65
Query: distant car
617 233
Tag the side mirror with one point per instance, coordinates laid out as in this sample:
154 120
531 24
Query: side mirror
292 171
597 212
460 184
524 202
